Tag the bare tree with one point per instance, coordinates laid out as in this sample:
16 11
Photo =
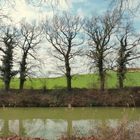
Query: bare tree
127 51
100 30
129 6
63 34
9 40
30 38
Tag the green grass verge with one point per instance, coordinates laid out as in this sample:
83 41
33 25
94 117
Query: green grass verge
78 81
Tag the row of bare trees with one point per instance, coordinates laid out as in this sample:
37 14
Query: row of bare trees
106 36
108 33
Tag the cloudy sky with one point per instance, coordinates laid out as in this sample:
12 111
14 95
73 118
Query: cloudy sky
23 9
33 10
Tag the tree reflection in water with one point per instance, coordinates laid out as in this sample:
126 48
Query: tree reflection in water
54 129
1 125
84 127
14 126
49 129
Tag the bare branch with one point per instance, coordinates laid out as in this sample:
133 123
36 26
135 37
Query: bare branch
64 35
100 31
30 38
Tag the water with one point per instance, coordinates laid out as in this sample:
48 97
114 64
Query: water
52 123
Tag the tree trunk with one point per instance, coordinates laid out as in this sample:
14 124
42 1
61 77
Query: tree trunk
68 75
101 72
68 82
120 78
102 81
22 78
7 86
21 85
23 72
121 84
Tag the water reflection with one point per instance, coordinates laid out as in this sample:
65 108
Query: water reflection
1 125
84 127
52 129
14 126
112 123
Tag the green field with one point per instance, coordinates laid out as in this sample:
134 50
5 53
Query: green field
78 81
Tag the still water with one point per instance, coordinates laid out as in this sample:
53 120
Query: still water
52 123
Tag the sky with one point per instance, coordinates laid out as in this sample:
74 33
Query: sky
35 11
30 11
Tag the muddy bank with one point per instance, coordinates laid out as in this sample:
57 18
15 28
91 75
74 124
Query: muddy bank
19 138
128 97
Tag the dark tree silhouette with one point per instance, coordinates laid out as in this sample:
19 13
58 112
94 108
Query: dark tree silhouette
127 51
100 31
30 38
9 40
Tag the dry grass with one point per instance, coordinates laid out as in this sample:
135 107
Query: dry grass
125 130
19 138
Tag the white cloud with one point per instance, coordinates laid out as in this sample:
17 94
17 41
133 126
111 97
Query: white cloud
81 13
64 5
21 9
78 1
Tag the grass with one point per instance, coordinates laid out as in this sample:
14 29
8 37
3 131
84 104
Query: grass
78 81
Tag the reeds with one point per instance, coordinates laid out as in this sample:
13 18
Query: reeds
125 130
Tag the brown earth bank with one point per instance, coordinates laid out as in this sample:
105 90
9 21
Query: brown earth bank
19 138
63 138
129 97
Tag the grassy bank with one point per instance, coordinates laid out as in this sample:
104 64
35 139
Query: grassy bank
78 81
76 98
